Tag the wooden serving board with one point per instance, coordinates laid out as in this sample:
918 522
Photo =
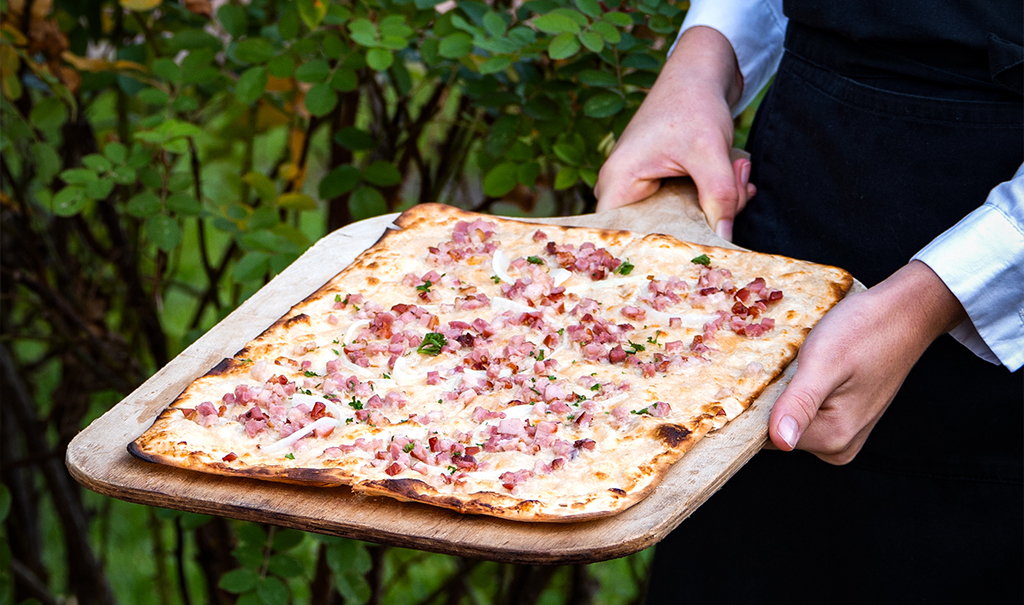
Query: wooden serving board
98 457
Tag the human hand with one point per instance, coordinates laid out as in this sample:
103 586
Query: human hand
684 128
855 359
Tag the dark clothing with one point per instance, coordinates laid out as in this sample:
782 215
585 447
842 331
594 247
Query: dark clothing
851 173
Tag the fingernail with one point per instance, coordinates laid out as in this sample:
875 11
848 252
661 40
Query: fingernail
788 431
745 173
724 229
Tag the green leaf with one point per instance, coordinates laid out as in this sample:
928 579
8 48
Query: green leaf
603 105
254 50
619 19
455 46
184 203
143 205
354 587
296 201
593 77
339 181
495 64
502 135
166 69
116 152
332 46
238 580
314 71
96 162
355 139
566 177
394 25
79 176
263 186
123 175
285 566
569 152
593 41
382 174
563 46
267 241
528 173
589 177
286 539
48 162
379 59
494 24
556 24
249 598
281 66
608 32
164 231
192 39
48 113
590 8
321 99
641 61
100 189
232 19
69 201
367 202
501 179
345 80
252 266
363 32
288 24
251 85
312 12
271 592
263 217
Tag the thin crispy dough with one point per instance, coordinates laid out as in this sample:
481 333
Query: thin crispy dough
622 469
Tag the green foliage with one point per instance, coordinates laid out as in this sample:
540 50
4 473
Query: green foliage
161 163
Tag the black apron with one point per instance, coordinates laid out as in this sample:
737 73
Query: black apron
860 160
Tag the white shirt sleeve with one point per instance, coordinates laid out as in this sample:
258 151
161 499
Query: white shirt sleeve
981 260
755 28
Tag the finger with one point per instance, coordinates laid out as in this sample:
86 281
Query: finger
717 190
798 405
741 170
615 188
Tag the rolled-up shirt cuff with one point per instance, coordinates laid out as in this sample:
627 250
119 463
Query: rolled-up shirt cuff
981 261
756 30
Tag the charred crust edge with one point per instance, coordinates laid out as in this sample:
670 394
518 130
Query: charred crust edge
673 435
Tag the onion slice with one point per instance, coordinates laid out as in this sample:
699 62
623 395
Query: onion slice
290 440
559 276
353 328
500 263
504 304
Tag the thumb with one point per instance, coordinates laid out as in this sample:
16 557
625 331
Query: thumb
717 191
796 408
616 187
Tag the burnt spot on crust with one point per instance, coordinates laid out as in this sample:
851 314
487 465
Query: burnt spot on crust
301 318
411 489
619 493
225 366
673 435
135 450
373 281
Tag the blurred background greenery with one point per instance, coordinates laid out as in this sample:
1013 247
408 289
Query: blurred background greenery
163 159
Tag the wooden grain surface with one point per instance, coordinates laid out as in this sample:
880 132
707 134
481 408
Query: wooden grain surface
98 458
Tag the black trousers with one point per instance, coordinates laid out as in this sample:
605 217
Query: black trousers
854 174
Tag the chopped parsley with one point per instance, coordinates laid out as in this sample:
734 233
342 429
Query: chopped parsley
596 387
246 360
337 298
452 469
386 376
536 391
551 378
641 412
355 404
701 260
624 269
290 456
336 352
636 348
335 342
310 374
535 260
432 344
654 340
496 279
408 447
425 286
306 392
